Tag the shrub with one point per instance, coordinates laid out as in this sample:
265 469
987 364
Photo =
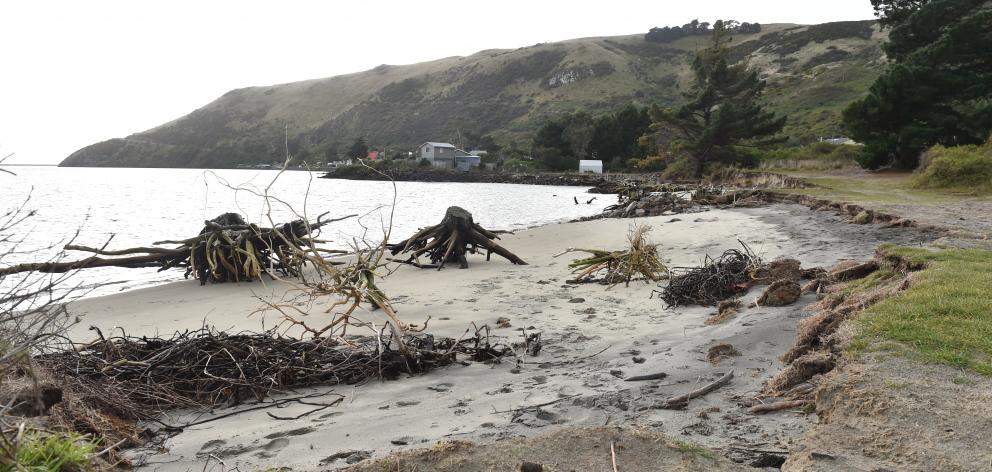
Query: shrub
652 164
964 168
54 452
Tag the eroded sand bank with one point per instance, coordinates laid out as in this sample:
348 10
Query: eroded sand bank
631 332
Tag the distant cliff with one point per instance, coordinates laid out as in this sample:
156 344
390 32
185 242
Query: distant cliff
813 72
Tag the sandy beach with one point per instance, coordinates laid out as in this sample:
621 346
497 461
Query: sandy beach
593 337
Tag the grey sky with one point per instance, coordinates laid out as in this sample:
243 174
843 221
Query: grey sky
77 72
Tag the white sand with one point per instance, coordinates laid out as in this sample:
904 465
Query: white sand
462 402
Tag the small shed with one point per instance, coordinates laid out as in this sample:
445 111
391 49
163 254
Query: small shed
590 167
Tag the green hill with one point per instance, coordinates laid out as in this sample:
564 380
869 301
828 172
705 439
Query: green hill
813 72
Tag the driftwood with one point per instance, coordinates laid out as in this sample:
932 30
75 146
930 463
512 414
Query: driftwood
716 280
227 249
208 368
682 401
449 241
639 260
777 406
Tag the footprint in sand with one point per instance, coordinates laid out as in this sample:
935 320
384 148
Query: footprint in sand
272 448
292 432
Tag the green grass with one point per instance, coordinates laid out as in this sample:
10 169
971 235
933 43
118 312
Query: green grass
945 316
882 188
42 452
963 169
694 449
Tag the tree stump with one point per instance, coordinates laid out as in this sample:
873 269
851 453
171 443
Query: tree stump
449 241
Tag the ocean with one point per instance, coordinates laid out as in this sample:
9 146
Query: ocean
123 208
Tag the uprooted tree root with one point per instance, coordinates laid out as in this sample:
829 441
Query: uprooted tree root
716 280
613 267
227 250
449 241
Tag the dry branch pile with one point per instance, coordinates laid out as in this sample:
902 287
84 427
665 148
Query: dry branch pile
207 368
716 280
227 249
613 267
449 241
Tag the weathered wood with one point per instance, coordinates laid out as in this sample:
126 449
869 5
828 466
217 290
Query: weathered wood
450 240
682 400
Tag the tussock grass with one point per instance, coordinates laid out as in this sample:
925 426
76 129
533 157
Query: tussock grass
45 452
945 316
965 169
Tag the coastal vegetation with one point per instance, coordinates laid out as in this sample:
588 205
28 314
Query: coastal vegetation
938 87
946 314
722 114
962 169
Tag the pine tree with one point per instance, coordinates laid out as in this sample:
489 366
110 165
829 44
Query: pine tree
938 89
723 114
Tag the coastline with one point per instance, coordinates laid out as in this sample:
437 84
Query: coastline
577 321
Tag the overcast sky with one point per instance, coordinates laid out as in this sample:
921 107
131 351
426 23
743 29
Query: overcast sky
77 72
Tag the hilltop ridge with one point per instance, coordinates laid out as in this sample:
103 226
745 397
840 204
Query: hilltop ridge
813 72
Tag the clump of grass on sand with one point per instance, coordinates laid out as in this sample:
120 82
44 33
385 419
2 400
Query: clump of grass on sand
639 260
946 314
966 169
50 452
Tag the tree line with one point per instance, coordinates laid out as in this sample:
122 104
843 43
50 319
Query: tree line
937 88
696 28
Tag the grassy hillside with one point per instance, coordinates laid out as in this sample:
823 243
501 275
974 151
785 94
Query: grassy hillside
813 72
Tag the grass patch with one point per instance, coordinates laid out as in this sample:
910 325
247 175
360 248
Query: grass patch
871 281
818 156
946 316
693 449
54 453
963 169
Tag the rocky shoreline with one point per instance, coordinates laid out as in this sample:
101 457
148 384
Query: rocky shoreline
441 175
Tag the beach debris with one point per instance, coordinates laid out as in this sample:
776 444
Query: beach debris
449 241
228 249
725 310
779 269
777 406
203 368
780 293
637 378
639 260
850 270
682 401
802 369
717 279
721 351
531 467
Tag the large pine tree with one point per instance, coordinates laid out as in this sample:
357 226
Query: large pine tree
938 89
723 114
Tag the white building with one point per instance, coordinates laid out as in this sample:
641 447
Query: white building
590 167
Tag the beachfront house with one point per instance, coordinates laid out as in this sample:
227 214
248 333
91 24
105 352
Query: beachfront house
590 167
447 156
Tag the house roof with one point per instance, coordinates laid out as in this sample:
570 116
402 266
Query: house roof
440 145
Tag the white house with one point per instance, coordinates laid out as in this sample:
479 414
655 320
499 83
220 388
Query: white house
590 167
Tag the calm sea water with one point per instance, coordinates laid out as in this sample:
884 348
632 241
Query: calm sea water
136 207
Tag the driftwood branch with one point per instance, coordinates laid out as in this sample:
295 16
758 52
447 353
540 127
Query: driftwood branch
682 401
777 406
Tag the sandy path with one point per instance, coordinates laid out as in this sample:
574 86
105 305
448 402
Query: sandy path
639 336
